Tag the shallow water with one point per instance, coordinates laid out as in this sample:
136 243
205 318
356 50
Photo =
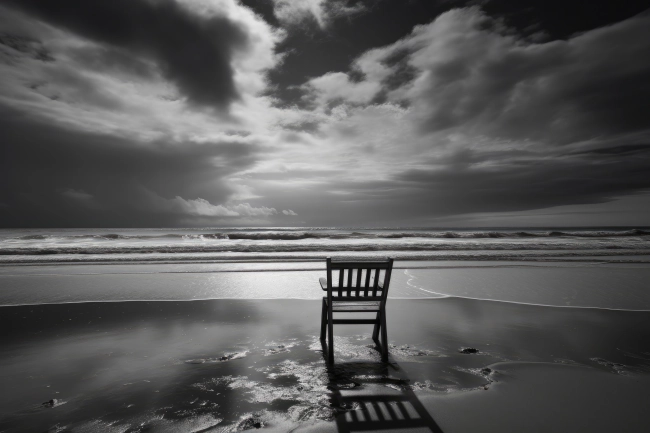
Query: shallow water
562 284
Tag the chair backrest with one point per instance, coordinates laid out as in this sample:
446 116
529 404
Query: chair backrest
358 281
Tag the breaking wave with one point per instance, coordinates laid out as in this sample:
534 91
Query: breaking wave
178 244
288 235
343 247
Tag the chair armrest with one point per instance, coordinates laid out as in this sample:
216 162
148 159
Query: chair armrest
323 283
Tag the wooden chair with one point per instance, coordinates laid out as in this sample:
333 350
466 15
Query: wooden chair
358 290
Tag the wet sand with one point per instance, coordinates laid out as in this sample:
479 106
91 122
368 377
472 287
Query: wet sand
564 284
230 365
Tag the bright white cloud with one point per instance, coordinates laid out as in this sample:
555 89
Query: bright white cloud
337 85
203 208
291 12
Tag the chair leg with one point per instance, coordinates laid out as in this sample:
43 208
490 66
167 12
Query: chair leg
330 336
384 337
375 332
323 321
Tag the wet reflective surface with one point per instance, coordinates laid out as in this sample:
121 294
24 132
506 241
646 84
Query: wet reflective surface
228 365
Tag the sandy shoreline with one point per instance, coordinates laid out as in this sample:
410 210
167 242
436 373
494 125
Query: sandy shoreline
590 285
220 365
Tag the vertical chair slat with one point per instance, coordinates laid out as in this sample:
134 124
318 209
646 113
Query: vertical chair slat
349 280
376 283
368 272
358 281
341 281
378 411
387 275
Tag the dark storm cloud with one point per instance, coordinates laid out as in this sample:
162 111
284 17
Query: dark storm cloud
558 19
516 181
626 149
193 52
26 45
401 71
528 183
421 195
53 176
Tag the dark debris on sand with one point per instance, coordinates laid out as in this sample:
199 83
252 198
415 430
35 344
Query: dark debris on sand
275 350
253 421
615 366
52 403
225 357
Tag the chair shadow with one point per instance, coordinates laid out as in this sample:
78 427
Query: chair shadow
375 396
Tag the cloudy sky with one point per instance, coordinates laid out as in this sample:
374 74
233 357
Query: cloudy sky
439 113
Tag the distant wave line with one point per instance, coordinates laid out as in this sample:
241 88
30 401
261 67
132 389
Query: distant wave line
283 248
315 234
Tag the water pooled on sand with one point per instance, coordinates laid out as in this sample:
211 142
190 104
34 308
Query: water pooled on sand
225 357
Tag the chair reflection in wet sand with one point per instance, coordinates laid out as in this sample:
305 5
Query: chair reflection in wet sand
376 402
362 288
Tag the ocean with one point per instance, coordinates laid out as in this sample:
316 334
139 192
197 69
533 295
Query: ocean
282 243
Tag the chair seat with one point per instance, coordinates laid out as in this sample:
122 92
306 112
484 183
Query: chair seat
354 305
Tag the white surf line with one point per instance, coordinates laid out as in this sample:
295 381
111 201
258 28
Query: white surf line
318 299
444 295
581 307
194 299
411 289
411 277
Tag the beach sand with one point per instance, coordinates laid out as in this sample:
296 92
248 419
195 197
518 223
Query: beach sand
228 365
